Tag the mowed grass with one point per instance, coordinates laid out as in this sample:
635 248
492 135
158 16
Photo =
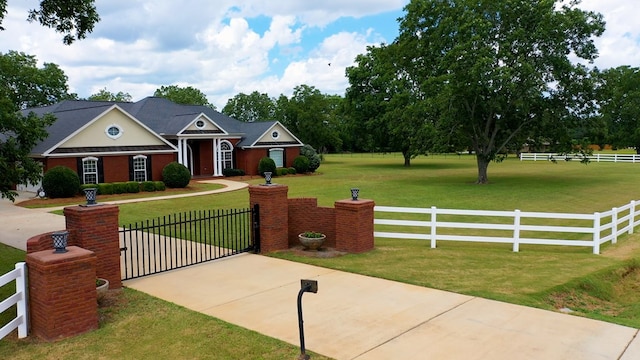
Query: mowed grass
598 286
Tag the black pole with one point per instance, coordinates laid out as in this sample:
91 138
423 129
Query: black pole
303 355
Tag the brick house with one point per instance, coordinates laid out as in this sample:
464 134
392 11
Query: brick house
123 141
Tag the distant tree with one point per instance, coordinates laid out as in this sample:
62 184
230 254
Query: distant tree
250 108
73 18
499 72
619 100
183 95
104 95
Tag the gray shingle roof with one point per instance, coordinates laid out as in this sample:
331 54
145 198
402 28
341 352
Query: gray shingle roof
164 117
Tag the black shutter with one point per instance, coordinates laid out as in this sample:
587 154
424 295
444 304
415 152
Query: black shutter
284 157
100 171
149 172
80 169
130 168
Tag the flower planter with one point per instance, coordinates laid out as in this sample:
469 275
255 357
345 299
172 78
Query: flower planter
102 286
312 242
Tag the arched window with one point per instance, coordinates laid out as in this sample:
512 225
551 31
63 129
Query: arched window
90 170
139 168
226 154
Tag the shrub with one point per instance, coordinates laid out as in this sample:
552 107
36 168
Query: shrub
119 187
232 172
267 164
311 154
61 182
292 171
282 171
176 175
148 186
105 189
159 185
133 187
301 164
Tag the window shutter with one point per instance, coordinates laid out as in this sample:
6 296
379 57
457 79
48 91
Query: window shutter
100 171
149 173
130 168
80 169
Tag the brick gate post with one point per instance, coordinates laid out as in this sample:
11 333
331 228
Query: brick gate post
95 228
274 215
62 293
354 225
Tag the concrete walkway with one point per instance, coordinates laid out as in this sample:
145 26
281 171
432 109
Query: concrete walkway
359 317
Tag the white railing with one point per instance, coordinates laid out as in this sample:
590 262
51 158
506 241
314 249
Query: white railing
514 227
19 298
630 158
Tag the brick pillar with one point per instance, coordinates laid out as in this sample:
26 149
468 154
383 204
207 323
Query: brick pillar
95 228
62 293
274 216
354 225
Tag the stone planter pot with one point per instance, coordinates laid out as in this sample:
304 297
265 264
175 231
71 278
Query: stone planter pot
311 243
102 286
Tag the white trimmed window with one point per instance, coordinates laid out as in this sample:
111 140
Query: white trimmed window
226 152
278 156
90 170
113 131
140 168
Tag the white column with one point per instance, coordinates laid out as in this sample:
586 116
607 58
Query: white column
179 151
216 157
185 153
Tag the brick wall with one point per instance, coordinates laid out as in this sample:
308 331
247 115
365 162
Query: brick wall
306 215
274 216
62 293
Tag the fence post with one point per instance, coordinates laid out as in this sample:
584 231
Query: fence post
632 216
433 227
614 225
516 231
21 287
596 233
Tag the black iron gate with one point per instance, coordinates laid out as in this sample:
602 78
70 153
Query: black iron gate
179 240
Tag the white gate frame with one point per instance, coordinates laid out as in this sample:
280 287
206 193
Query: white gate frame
19 274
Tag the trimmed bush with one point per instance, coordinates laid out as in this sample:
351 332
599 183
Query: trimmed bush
232 172
314 159
148 186
133 187
267 164
301 164
282 171
61 182
159 185
119 187
176 175
105 189
292 170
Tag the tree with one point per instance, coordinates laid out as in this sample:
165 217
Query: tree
104 95
250 108
183 95
23 85
619 96
499 72
384 102
309 115
73 18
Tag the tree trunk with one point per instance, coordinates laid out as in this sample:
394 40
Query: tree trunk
483 165
407 158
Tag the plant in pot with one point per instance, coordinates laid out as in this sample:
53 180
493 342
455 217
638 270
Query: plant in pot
102 286
311 240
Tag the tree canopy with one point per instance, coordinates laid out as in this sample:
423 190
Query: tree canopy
73 18
183 95
105 95
249 108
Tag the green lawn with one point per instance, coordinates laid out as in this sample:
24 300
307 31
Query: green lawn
597 286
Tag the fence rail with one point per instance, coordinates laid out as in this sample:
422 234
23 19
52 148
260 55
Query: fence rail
513 227
629 158
19 298
179 240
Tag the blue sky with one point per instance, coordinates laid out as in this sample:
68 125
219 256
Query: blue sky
225 47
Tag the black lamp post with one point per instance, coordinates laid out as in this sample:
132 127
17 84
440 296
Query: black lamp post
354 193
60 239
305 286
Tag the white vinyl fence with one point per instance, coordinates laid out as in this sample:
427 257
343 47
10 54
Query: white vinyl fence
512 227
630 158
19 274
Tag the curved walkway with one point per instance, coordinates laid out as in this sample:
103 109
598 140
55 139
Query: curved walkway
18 224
